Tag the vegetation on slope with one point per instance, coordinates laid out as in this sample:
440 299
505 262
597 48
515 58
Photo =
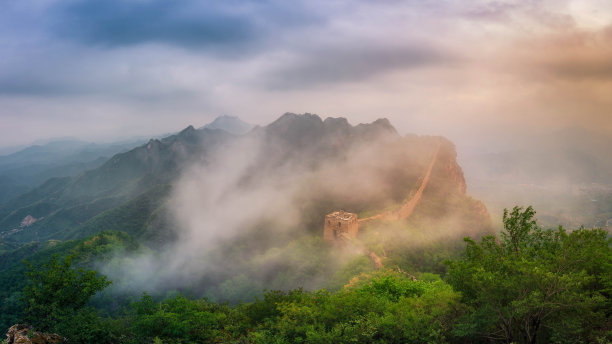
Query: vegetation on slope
102 247
529 285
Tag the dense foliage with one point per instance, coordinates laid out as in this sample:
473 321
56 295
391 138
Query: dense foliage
56 292
534 285
13 274
529 285
384 307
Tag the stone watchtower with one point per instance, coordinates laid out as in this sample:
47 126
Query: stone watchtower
340 225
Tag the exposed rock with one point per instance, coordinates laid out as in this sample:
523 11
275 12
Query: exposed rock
27 221
450 168
23 334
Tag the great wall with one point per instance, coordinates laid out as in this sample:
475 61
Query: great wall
341 227
413 200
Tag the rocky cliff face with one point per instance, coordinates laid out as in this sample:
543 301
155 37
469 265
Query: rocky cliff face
446 198
447 183
448 166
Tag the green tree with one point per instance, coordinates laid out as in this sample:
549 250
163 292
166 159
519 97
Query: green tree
57 292
518 225
534 285
178 319
382 307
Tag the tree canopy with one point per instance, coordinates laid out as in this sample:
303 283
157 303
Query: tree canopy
534 285
527 285
57 292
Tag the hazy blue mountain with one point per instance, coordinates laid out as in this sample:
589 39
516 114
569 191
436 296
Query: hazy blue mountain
231 124
62 204
10 188
35 164
11 149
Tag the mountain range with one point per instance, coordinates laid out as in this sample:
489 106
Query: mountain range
31 166
65 207
204 210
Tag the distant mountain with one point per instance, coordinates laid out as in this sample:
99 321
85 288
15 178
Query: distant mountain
11 149
231 124
10 188
35 164
63 204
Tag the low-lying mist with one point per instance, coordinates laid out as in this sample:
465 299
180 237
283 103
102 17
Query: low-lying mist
249 215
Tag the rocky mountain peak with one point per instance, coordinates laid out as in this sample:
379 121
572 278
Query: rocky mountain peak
187 131
336 124
231 124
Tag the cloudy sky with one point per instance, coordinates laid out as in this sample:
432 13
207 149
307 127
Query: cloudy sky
480 72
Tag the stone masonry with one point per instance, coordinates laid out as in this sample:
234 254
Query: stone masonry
339 226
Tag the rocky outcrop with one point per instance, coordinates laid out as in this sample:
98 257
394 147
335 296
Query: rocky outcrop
449 168
27 221
23 334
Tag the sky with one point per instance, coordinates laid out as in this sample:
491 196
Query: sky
483 73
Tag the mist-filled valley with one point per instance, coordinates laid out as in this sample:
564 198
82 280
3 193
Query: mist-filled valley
226 216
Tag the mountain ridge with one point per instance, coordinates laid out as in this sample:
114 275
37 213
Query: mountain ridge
159 161
124 186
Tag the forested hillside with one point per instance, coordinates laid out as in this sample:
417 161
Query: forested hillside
527 285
